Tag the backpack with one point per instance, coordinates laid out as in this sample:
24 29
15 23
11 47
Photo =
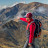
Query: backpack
38 24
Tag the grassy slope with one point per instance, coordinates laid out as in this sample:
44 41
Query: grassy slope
43 40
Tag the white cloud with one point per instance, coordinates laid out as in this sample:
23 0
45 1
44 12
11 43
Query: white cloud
13 4
2 7
41 9
17 3
5 6
23 2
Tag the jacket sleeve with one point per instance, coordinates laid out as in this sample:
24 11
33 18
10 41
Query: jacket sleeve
23 19
32 29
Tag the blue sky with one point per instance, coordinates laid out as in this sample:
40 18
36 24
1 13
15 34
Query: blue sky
10 2
5 3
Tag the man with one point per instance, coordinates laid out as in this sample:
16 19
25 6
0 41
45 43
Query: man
29 31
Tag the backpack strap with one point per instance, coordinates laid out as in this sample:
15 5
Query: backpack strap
30 24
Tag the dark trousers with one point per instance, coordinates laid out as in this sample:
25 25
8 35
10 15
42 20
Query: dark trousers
26 43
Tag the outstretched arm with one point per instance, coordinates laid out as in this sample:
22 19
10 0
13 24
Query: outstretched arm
23 19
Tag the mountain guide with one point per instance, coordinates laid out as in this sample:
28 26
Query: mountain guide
33 30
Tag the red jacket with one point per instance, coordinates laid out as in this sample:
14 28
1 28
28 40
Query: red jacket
32 28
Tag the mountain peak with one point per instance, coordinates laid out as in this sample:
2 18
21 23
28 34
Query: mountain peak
35 3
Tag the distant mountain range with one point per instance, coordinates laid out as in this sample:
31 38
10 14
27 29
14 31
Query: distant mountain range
11 11
39 11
